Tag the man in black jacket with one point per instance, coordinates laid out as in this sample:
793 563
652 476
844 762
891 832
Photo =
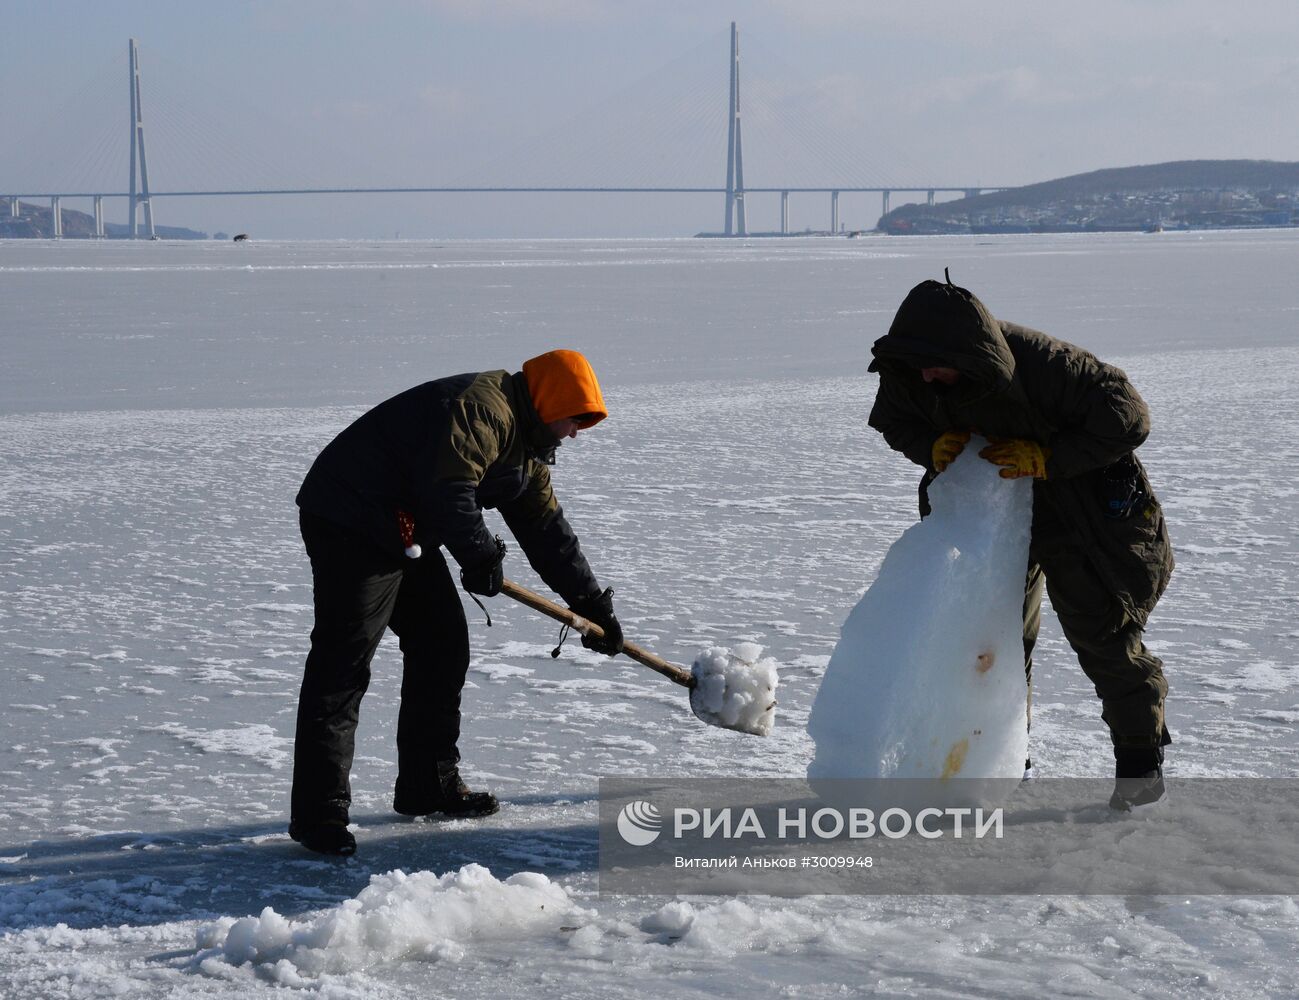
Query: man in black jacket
406 478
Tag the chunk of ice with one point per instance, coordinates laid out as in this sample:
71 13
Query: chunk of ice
735 689
928 678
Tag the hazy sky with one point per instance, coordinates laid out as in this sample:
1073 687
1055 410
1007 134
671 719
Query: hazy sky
624 92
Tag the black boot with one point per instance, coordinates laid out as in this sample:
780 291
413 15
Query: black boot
1138 778
446 793
324 836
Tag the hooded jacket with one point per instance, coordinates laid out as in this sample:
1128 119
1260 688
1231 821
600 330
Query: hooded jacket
1019 383
443 451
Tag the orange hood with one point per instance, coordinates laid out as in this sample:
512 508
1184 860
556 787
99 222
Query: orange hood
562 384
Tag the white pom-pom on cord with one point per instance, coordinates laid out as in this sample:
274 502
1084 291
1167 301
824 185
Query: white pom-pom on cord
414 551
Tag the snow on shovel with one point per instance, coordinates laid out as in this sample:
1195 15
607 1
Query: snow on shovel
733 690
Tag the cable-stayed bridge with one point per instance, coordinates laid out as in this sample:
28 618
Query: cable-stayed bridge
658 136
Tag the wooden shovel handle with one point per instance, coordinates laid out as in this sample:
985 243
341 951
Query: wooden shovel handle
523 595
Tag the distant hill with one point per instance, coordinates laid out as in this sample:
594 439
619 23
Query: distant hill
37 222
1187 194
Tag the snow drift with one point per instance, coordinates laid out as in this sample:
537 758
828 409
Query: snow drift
397 916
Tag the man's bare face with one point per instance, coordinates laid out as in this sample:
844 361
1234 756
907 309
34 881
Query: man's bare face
565 428
947 376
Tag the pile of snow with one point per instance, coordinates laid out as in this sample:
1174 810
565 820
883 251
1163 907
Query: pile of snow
735 927
928 678
398 916
735 690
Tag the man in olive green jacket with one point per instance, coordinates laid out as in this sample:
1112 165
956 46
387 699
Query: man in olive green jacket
1099 543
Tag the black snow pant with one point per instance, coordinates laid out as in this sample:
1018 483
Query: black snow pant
1128 678
359 590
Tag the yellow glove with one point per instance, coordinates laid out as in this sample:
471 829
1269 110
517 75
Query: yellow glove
1019 457
947 447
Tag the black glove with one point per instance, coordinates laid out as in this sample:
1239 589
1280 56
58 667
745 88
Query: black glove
487 576
598 610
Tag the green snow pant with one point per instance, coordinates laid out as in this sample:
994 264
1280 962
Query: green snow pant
1128 678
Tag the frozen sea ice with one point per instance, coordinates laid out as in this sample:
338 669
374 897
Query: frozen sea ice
928 680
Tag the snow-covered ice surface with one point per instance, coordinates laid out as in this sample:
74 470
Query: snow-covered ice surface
161 403
928 678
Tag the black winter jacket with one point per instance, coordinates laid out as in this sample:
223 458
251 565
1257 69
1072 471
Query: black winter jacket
443 451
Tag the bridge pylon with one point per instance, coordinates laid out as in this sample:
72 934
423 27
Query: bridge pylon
137 153
735 225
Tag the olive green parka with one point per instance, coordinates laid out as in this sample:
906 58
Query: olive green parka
1019 383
